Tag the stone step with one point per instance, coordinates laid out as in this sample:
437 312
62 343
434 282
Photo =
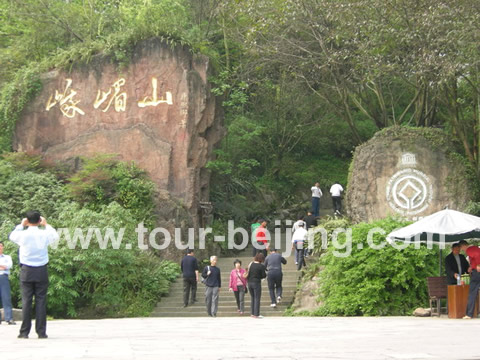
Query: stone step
222 300
221 306
201 289
172 304
222 310
178 293
200 286
277 312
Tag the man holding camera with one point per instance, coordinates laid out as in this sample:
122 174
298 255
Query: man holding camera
33 258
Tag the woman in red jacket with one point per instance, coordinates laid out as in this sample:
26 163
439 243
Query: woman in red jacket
238 284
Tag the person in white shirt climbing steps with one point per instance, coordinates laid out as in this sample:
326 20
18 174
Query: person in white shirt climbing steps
336 191
316 195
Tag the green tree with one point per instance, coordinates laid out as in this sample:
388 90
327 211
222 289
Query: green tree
394 62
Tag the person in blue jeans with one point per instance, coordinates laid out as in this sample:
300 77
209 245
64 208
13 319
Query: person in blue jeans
5 266
316 195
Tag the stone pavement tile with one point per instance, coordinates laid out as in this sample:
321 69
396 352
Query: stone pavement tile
276 338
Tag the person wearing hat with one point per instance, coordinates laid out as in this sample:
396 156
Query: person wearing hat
273 264
5 266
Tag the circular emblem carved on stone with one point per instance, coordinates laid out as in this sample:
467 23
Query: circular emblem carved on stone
409 192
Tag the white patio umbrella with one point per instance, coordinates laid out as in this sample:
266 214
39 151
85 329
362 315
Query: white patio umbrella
445 226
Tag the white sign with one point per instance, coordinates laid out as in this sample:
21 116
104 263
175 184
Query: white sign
409 192
409 159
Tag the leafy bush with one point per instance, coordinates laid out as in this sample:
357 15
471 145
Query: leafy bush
96 281
104 179
374 282
21 191
107 281
99 279
473 208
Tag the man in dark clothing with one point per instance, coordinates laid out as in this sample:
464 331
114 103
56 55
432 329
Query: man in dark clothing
273 264
190 277
455 265
310 220
213 284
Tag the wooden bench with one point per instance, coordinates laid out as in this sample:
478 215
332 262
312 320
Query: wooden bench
437 290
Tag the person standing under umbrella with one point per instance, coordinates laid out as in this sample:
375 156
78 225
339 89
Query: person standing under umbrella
455 265
473 253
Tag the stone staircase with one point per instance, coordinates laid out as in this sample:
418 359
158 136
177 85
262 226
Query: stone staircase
172 305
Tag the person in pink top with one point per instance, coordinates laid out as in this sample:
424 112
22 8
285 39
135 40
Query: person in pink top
238 284
473 253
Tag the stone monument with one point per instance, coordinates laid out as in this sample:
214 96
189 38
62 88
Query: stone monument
408 172
157 111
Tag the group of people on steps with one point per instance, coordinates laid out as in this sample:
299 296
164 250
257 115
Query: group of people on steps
269 266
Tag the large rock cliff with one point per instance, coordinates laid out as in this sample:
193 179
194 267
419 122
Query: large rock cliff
157 111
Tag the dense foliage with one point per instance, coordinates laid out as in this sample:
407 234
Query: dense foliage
390 62
102 180
357 279
101 274
303 81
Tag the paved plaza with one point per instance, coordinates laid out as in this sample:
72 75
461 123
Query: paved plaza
279 338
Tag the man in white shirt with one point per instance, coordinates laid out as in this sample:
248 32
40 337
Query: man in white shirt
5 266
298 241
297 223
316 195
336 191
33 257
295 227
